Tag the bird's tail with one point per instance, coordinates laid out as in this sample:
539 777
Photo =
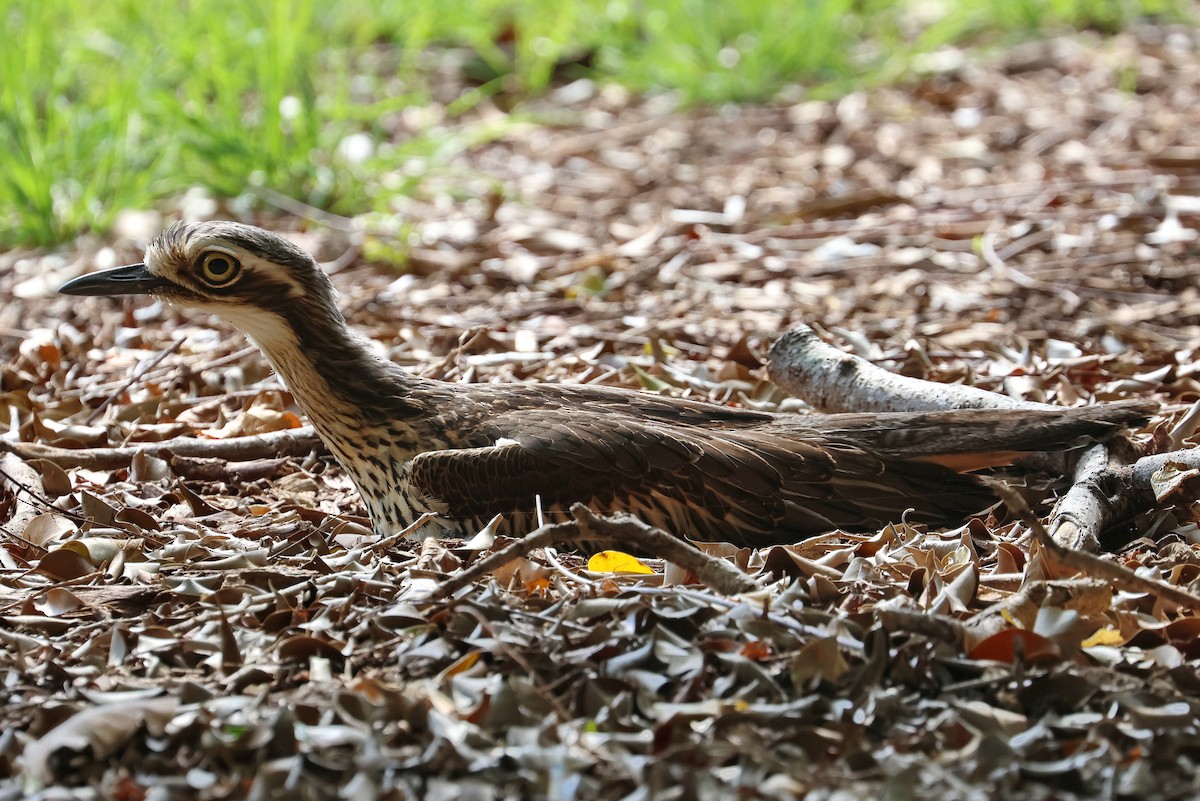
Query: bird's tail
972 439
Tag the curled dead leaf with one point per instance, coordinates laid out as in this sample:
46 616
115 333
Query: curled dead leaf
1154 715
97 731
303 647
137 518
64 564
266 413
102 550
1171 478
55 481
819 659
146 468
57 601
96 510
47 528
520 570
1009 644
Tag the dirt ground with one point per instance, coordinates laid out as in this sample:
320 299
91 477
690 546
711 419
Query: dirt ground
1027 224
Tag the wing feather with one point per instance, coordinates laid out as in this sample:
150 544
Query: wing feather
749 486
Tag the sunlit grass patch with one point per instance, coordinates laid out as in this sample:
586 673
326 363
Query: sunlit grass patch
107 106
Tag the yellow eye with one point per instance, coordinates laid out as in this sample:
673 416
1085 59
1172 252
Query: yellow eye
217 268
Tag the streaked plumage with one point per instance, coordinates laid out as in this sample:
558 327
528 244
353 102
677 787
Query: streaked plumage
469 452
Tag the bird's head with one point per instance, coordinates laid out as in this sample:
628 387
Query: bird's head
258 281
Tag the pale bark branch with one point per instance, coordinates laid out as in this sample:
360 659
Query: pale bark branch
1104 489
835 381
1108 489
1094 500
22 481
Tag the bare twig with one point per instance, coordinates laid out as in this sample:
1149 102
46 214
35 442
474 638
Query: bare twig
133 379
1023 604
403 534
988 251
301 209
290 442
715 573
541 537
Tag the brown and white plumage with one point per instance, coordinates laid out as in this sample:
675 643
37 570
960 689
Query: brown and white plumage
470 451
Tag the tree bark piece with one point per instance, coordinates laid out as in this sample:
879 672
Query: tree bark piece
1107 489
1095 500
22 481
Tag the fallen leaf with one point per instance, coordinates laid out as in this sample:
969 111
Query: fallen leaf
1006 645
97 731
64 564
616 562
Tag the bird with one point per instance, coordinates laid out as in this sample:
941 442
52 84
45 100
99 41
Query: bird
469 452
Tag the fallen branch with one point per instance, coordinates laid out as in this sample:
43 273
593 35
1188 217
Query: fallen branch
1142 471
1089 564
1094 500
211 469
21 479
629 532
290 442
835 381
832 380
1107 489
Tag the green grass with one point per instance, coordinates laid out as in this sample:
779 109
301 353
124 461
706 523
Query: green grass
114 105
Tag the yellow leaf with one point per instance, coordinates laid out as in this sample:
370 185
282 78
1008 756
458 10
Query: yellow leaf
663 348
651 382
616 562
1105 636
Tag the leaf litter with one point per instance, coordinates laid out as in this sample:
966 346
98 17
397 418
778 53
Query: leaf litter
189 628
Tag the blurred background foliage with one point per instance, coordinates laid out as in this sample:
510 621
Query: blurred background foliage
116 105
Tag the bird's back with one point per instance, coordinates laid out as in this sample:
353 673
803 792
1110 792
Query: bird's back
722 473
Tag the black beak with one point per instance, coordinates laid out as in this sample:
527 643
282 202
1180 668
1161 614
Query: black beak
132 280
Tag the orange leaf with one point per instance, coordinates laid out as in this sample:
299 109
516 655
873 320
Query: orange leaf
756 650
464 663
541 584
1003 647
